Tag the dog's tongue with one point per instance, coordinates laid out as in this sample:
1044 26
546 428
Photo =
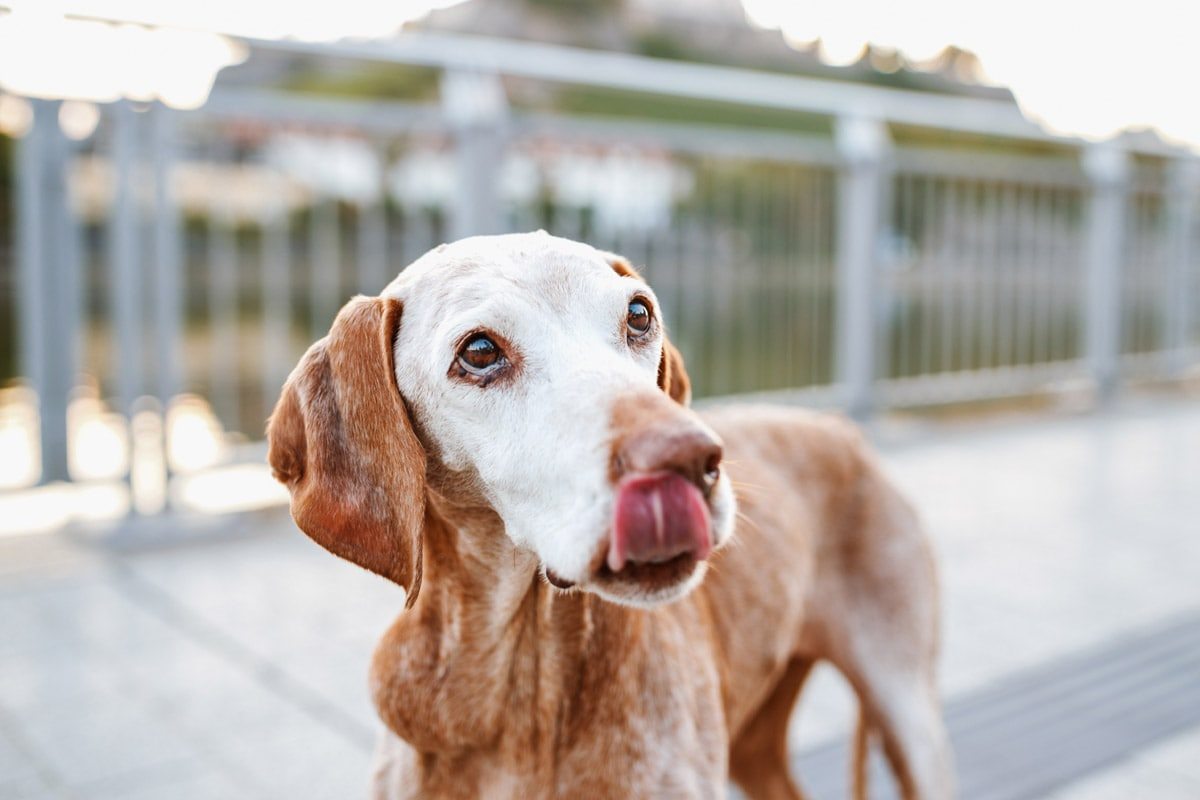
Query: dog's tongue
658 517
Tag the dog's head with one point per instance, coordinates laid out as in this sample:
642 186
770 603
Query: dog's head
533 370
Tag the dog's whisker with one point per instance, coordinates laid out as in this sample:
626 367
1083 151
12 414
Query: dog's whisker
748 520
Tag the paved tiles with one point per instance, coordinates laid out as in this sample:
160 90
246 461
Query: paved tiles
1046 727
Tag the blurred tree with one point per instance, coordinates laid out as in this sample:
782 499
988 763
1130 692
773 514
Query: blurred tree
579 7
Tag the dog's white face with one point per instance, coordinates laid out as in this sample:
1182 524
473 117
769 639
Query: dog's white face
530 365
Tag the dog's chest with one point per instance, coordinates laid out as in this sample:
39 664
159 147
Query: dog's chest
634 712
676 758
653 728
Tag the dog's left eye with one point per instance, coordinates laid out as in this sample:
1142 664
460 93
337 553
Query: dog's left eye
480 354
638 318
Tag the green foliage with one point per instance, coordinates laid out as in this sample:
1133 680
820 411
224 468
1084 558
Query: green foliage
578 7
659 44
376 81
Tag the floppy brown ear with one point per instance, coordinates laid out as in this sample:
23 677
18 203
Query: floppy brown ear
341 441
672 377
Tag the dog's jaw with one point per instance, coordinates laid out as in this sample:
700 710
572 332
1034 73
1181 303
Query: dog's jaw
651 586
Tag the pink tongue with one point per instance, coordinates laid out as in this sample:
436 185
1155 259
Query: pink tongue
658 517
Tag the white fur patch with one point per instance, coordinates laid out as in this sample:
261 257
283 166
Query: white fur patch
540 443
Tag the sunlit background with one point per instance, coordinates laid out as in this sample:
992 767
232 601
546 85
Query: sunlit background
1075 69
1081 68
935 216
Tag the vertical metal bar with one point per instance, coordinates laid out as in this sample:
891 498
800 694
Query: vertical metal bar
1037 287
168 260
275 257
49 274
1181 210
65 315
949 274
803 266
372 236
725 271
1056 265
1079 252
902 278
973 237
863 143
31 246
929 260
1045 223
418 233
679 258
772 298
758 304
124 261
1107 167
745 285
787 223
69 283
224 363
825 288
325 264
475 106
151 482
1022 299
1076 290
1131 289
706 189
986 308
1153 272
934 273
1006 260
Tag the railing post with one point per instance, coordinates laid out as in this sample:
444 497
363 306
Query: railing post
863 143
276 257
1181 222
1107 168
168 259
31 258
48 281
476 108
372 243
124 262
167 311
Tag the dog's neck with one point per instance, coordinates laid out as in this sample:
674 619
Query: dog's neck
489 646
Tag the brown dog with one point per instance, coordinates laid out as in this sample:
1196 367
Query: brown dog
504 432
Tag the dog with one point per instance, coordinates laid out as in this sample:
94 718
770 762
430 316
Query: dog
608 595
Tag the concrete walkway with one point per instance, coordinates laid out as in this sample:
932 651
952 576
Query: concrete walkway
234 665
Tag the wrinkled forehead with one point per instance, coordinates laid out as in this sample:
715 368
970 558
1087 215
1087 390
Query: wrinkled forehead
492 275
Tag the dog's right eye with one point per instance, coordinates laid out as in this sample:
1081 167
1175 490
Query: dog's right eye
639 319
479 354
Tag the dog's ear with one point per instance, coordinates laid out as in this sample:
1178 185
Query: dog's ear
672 377
341 441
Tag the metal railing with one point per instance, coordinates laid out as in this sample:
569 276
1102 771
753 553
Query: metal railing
199 252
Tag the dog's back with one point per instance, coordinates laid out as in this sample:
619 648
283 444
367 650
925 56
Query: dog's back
828 563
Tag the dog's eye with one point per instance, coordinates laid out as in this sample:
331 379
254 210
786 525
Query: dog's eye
638 318
479 354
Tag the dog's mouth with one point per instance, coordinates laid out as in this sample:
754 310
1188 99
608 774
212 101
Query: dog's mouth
649 577
659 518
661 532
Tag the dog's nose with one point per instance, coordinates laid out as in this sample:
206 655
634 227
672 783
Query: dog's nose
680 446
